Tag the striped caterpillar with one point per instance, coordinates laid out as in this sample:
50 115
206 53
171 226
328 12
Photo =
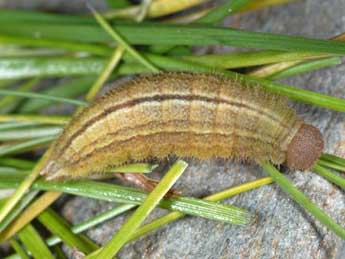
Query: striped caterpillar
186 114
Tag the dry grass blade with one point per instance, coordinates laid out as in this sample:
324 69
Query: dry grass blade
31 212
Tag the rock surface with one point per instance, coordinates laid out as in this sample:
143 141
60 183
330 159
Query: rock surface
283 229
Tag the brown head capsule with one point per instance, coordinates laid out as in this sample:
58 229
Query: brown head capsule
305 148
186 114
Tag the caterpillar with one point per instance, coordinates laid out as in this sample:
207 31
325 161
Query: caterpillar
186 114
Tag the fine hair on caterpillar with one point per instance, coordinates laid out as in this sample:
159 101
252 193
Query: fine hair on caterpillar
186 114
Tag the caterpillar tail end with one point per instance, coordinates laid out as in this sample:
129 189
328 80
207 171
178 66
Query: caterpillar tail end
52 171
305 148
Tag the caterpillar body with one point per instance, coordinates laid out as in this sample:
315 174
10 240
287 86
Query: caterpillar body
186 114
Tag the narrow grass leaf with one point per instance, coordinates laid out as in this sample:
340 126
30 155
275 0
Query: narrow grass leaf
160 34
302 200
16 68
49 197
113 62
329 175
51 119
172 216
9 103
16 125
34 243
22 188
40 17
100 218
331 165
94 221
118 3
157 8
70 89
118 52
58 226
333 159
135 168
249 58
22 51
29 133
151 201
32 211
24 202
74 46
41 96
218 13
263 4
24 146
306 67
121 40
115 193
59 253
19 249
17 163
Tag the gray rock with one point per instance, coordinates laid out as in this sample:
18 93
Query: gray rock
283 229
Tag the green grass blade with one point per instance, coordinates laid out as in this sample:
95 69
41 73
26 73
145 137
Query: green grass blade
306 67
249 58
334 159
17 163
118 3
120 194
119 39
330 176
119 50
157 9
5 169
51 119
151 201
302 200
30 213
172 216
58 226
41 96
160 221
18 209
58 252
331 165
40 17
22 188
264 4
9 103
105 74
22 51
71 89
19 249
160 34
135 168
92 222
16 68
16 125
218 13
33 242
56 44
9 149
28 133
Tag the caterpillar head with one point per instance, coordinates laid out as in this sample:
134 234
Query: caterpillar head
305 148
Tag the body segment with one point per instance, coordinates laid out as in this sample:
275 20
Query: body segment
190 115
